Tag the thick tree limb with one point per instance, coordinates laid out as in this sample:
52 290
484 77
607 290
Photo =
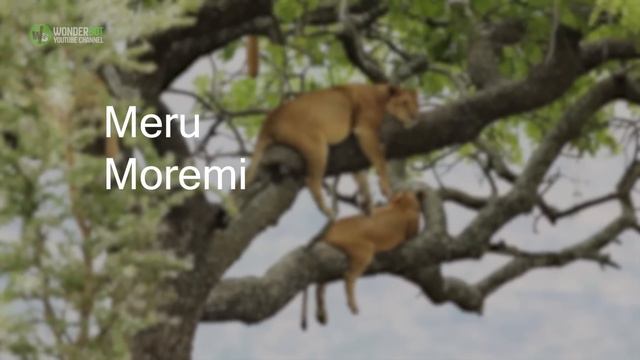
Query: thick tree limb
602 51
463 120
254 299
211 257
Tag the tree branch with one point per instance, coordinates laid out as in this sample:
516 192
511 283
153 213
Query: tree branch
352 44
462 198
584 250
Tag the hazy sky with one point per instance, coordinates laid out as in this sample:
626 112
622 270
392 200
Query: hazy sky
576 312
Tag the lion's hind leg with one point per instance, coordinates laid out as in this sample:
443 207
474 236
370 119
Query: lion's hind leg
360 256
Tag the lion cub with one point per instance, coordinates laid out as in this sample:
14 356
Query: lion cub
315 120
360 237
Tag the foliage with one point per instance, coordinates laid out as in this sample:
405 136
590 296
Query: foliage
79 266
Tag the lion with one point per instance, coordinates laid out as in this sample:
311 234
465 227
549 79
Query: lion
316 120
361 237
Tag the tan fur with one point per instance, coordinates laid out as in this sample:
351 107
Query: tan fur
315 120
360 237
253 56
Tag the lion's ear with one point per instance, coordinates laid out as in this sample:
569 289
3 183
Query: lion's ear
393 90
399 198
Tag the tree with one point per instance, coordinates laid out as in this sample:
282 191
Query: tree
500 73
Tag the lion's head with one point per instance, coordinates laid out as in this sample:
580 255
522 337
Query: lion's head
402 104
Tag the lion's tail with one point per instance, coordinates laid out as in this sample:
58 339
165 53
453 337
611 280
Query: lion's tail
263 142
303 315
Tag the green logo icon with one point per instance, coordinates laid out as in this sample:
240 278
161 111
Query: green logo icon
40 34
